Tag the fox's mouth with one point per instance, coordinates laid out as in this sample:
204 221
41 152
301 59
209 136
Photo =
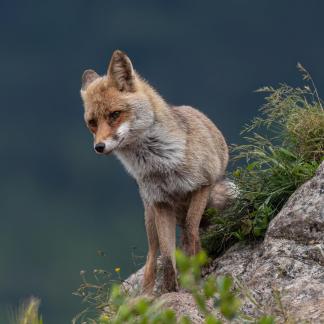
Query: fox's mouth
121 141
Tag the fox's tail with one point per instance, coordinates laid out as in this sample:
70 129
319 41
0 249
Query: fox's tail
223 193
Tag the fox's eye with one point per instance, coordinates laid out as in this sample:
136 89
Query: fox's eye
92 123
114 115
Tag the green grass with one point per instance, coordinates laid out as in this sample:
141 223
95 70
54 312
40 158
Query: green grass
283 148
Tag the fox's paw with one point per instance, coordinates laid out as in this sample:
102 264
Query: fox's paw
169 275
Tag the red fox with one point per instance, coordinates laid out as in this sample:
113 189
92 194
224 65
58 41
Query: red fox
176 154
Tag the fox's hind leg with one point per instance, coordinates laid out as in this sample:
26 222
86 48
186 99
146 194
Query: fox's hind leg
190 235
165 221
153 246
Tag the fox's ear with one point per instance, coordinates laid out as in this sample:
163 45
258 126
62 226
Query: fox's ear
121 71
87 77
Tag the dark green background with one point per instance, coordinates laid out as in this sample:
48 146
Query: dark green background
59 202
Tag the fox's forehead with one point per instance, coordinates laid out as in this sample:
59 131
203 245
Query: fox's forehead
101 97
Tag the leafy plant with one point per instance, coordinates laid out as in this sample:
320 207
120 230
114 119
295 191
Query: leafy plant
217 290
284 147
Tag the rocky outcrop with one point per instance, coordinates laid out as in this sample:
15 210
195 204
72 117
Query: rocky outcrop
284 274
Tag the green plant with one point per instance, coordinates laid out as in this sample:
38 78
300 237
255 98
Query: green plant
217 290
283 149
28 313
95 291
124 309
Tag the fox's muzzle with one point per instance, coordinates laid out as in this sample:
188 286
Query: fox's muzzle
106 142
106 146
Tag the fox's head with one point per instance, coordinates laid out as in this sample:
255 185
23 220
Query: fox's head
116 107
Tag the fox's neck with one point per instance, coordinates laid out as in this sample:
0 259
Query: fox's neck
155 151
159 105
163 136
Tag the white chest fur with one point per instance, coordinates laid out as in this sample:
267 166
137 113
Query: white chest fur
155 151
156 161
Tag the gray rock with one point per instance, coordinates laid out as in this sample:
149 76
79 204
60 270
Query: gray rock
284 274
302 217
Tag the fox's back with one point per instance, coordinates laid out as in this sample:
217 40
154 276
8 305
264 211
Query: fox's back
205 146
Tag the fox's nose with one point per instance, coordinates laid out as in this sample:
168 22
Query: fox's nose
99 148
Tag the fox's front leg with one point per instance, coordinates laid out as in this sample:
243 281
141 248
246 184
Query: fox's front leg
153 246
190 235
165 221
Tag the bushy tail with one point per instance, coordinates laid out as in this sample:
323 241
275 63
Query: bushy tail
223 193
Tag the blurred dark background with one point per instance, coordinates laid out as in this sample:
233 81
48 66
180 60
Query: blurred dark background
59 202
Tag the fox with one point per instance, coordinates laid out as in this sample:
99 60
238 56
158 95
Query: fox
176 154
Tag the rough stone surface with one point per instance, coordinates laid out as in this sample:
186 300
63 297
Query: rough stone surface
284 274
183 304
